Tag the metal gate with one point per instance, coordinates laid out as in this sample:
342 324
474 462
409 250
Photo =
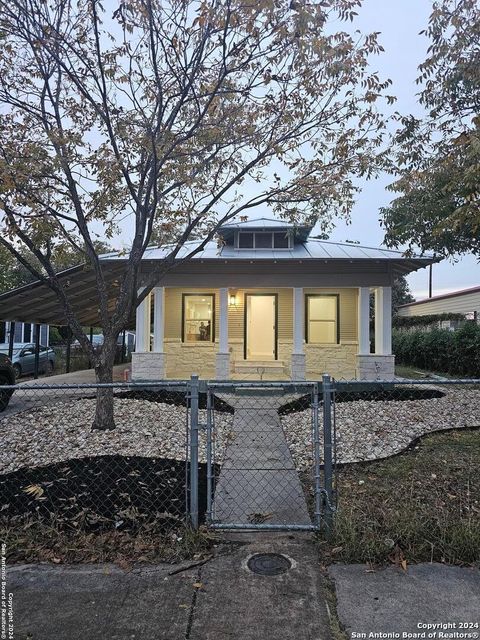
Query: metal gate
257 475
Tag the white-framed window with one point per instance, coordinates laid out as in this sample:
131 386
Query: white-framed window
322 319
263 240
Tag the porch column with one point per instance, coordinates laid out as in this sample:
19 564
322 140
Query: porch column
298 353
158 318
222 365
381 364
363 321
157 364
383 321
142 326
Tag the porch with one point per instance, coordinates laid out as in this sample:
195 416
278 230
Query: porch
282 333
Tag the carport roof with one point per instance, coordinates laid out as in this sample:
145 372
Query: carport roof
36 302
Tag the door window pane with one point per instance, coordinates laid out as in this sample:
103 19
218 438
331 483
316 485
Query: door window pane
322 321
198 318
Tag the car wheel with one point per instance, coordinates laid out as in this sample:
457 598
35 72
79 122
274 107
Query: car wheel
17 370
4 395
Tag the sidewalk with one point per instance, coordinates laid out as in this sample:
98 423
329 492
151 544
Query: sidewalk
224 600
219 600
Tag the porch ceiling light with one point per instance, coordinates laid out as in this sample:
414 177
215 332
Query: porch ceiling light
232 299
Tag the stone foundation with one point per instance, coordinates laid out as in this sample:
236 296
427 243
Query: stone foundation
222 366
298 366
148 366
375 367
338 360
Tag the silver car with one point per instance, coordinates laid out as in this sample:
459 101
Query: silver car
23 358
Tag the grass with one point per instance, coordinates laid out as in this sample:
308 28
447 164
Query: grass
420 506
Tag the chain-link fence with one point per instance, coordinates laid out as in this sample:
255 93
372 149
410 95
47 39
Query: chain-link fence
180 454
255 480
74 492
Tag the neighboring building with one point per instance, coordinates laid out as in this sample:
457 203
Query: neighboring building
266 299
24 332
466 301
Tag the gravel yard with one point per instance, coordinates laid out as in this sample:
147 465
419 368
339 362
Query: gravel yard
62 431
374 429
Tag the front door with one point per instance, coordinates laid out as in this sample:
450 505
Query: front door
260 326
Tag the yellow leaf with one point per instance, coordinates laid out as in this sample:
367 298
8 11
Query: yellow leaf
34 490
404 564
197 585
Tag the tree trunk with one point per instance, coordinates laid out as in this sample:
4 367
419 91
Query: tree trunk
104 417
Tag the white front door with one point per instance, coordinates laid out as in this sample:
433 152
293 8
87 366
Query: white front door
260 326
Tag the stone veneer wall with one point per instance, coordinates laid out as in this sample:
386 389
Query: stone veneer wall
183 359
338 360
375 367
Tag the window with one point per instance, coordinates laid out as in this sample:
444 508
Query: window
198 317
322 326
281 240
263 240
245 240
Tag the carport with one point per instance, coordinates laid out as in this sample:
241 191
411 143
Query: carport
37 304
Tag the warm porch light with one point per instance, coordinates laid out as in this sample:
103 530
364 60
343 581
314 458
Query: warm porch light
232 299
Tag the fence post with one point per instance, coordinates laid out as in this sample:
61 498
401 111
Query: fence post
316 458
194 451
209 456
327 451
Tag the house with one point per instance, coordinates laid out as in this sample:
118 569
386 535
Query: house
265 300
269 300
465 301
24 332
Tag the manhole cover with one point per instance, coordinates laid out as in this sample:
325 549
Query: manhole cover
269 564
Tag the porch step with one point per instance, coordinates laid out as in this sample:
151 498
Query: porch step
258 366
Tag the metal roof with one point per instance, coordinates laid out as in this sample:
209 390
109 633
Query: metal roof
443 296
36 302
311 249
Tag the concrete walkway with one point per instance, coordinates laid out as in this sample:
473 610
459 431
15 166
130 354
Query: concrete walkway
258 482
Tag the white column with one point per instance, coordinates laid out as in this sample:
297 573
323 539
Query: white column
142 326
223 323
383 321
158 318
222 360
298 320
363 321
298 354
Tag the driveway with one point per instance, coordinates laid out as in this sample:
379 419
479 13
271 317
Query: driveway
26 398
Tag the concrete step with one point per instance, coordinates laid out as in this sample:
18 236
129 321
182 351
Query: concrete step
256 366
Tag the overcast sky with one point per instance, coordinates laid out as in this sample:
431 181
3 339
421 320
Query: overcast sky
400 22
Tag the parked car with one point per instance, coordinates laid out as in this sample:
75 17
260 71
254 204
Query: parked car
7 376
23 358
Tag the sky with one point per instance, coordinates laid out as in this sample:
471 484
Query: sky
400 22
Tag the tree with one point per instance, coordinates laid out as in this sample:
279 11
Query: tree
401 293
438 156
171 119
13 274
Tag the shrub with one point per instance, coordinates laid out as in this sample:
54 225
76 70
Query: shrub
453 352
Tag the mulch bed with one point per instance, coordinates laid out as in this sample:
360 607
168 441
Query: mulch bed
102 493
176 398
377 395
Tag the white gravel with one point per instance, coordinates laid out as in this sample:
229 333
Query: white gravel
369 430
61 431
